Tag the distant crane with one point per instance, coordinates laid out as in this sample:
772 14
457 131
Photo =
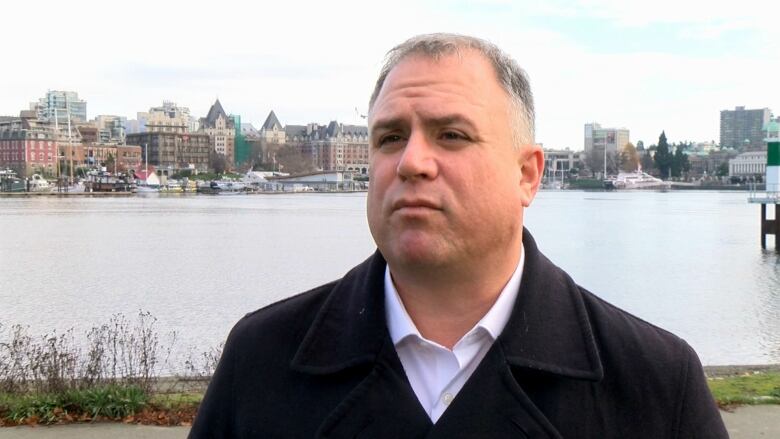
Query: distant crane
358 114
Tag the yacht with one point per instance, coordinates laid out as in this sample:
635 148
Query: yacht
636 180
39 184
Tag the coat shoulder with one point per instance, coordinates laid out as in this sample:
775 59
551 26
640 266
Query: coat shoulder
290 316
623 331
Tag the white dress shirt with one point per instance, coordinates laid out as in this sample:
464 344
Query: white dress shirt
436 373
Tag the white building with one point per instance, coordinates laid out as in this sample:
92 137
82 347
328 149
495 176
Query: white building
748 164
61 103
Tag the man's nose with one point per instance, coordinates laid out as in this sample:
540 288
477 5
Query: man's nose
418 159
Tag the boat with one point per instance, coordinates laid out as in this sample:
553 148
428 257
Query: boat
147 189
36 183
105 182
636 180
9 182
222 187
172 186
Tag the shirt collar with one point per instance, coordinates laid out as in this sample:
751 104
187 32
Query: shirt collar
401 326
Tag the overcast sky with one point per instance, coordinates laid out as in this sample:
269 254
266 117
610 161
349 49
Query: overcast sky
648 66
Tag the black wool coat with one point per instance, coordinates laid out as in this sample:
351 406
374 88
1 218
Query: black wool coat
568 365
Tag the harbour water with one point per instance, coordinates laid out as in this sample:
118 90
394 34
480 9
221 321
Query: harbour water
689 262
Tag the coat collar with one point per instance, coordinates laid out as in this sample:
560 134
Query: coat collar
549 329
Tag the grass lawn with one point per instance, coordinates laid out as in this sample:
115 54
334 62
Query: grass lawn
755 388
110 403
131 405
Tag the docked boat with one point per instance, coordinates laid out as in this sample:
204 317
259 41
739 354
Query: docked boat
147 189
9 182
105 182
172 186
636 180
222 187
36 183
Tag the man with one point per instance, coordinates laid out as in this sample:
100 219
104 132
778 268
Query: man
457 326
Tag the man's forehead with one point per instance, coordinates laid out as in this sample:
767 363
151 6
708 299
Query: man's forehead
418 64
438 117
465 74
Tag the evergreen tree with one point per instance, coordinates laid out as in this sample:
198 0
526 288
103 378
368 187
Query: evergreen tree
663 157
680 163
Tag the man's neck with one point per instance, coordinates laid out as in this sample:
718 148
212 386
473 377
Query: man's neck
444 306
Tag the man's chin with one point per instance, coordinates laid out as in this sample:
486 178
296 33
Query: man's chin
419 256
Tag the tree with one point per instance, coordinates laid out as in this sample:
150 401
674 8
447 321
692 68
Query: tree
647 162
218 162
723 170
680 162
110 162
290 158
594 161
629 158
663 157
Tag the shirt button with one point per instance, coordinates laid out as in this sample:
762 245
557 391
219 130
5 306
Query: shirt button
447 398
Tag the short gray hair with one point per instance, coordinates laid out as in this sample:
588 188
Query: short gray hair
510 76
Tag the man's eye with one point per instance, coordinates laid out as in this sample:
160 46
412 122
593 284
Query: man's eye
389 139
452 135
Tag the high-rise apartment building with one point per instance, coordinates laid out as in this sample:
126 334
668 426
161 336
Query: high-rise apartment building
596 137
61 103
742 129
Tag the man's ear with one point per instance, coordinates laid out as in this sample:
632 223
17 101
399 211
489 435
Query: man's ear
531 163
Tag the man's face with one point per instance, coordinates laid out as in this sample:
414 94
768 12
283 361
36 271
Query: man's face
446 185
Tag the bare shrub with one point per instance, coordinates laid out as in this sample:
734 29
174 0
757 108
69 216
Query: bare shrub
118 352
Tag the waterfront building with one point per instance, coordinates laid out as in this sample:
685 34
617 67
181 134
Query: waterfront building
742 129
28 146
115 158
222 132
331 147
560 161
249 131
707 163
111 129
172 148
167 114
749 164
272 130
335 147
597 138
316 181
61 103
242 147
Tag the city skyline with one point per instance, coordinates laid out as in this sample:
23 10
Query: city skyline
666 66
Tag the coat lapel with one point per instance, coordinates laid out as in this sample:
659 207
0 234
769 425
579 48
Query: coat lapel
382 406
349 336
548 336
549 332
492 404
549 329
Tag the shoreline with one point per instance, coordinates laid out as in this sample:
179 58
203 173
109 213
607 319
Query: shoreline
726 370
198 384
176 194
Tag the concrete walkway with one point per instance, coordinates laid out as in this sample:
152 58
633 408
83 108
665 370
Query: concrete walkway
94 431
748 422
754 421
